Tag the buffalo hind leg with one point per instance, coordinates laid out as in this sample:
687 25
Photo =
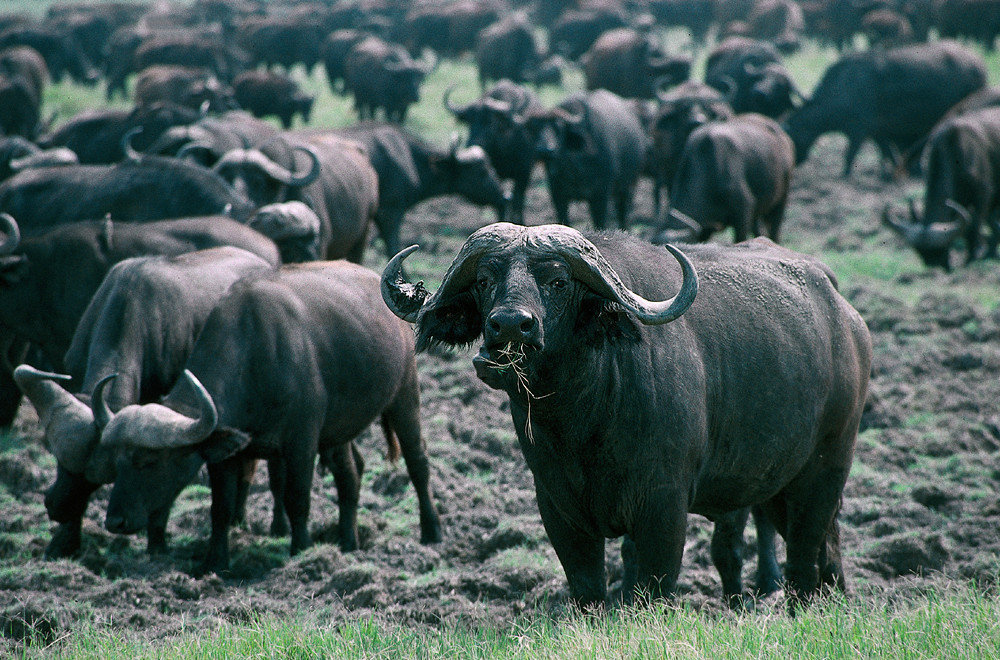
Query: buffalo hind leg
581 556
727 553
340 460
403 418
811 518
768 572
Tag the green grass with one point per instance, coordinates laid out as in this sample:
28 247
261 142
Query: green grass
958 623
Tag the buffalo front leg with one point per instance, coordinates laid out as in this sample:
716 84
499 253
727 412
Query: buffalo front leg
658 531
223 478
581 555
404 418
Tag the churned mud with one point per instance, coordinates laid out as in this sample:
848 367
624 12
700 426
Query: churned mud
922 504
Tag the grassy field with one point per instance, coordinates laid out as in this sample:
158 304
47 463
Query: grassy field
953 621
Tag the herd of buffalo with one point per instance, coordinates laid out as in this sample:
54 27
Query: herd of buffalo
215 313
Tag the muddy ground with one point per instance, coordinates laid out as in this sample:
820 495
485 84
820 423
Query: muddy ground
922 504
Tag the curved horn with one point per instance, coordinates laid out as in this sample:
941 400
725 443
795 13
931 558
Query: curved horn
732 88
176 136
129 151
190 147
593 269
451 107
687 221
12 232
964 217
155 426
102 412
258 159
403 298
68 423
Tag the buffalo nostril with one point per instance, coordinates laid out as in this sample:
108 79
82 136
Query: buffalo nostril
512 325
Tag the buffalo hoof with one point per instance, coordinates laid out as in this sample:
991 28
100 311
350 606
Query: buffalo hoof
65 542
279 526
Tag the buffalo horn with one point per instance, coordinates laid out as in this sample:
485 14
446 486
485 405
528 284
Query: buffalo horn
687 221
451 107
403 298
586 261
12 233
68 423
274 170
127 148
155 426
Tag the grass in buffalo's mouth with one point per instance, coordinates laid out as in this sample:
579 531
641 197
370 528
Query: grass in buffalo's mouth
511 357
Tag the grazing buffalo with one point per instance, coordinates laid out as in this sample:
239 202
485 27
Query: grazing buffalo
632 371
496 123
575 31
892 97
624 61
593 148
734 173
410 170
26 62
187 86
63 55
382 75
149 188
284 387
141 325
265 93
963 190
41 300
680 111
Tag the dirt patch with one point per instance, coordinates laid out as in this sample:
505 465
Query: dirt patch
922 500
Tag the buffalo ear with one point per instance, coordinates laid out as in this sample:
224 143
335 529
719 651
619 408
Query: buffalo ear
600 320
454 323
225 442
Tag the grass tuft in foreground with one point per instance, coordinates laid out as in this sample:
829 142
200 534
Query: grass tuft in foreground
957 622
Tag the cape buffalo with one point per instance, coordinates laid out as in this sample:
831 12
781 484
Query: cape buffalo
41 300
382 75
141 325
593 147
962 193
744 386
288 366
148 188
411 170
496 122
680 111
734 173
625 62
893 97
752 76
266 93
340 186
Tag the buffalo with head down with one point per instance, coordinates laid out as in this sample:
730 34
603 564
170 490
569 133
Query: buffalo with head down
735 173
645 384
893 97
593 147
287 367
496 122
382 75
141 325
679 111
624 61
41 300
411 170
962 194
